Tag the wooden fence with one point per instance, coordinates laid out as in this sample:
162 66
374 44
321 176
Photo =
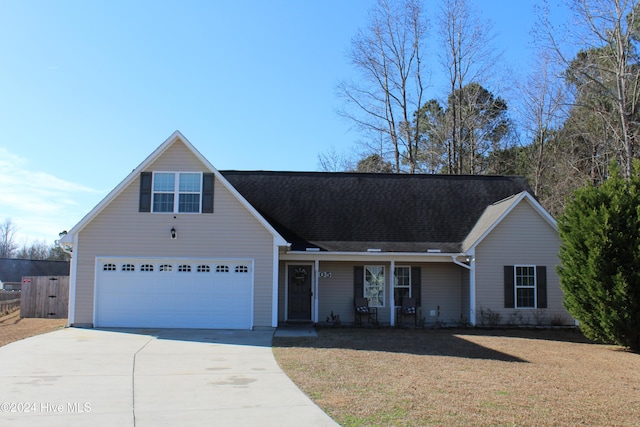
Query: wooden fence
7 295
9 301
45 296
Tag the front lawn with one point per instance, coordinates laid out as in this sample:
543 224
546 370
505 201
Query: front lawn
14 328
368 377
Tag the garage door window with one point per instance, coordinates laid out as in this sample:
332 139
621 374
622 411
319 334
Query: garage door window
173 293
242 269
128 267
222 269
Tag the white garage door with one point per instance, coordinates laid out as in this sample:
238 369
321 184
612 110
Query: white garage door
174 293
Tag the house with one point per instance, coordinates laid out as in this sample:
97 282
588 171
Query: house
12 270
180 244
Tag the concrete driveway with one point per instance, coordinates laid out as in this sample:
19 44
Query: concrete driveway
89 377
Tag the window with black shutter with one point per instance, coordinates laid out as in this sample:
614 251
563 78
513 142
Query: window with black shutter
525 286
176 192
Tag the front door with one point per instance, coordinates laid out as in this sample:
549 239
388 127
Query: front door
299 295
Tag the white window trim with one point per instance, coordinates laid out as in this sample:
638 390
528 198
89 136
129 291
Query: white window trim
395 283
516 287
364 284
176 192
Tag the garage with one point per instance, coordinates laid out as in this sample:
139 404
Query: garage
174 293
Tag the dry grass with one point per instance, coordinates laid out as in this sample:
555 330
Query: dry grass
367 377
14 328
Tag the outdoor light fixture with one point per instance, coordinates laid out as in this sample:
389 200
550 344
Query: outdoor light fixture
173 233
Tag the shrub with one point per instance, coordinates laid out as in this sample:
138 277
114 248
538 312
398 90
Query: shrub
600 254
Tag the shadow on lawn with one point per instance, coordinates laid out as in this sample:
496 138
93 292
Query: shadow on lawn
443 342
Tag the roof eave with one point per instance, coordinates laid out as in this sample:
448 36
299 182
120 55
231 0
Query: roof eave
177 135
371 256
470 246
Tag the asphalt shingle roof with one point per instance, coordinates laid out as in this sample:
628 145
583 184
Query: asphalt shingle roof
359 211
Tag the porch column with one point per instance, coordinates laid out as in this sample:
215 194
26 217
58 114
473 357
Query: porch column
274 290
315 288
392 302
73 274
472 289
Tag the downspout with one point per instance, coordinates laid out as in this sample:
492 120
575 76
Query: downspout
472 282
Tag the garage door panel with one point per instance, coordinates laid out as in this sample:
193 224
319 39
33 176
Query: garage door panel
213 294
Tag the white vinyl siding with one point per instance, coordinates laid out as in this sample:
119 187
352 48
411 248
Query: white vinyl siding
523 237
121 231
442 285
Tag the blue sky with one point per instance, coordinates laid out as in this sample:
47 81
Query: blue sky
89 88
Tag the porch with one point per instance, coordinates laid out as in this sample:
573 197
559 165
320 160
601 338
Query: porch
324 291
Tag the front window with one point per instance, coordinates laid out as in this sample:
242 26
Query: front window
374 285
402 284
525 280
181 186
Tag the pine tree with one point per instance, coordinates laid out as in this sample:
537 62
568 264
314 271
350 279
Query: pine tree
600 259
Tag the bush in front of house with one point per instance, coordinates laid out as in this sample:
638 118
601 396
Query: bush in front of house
600 255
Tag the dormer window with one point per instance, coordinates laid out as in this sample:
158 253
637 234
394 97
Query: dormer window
176 192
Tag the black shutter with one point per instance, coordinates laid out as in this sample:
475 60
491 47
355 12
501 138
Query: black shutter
541 286
416 285
207 193
358 282
509 287
145 192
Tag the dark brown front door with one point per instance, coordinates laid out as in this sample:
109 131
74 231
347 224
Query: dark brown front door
299 295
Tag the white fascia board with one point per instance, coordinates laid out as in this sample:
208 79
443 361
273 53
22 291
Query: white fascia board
522 196
369 256
175 136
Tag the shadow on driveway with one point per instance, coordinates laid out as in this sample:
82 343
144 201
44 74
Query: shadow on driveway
209 336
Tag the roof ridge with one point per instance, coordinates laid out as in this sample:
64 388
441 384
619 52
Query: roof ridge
366 174
497 202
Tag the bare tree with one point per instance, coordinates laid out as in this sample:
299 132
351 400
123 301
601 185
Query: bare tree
543 112
388 56
605 71
37 250
333 161
468 57
8 243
